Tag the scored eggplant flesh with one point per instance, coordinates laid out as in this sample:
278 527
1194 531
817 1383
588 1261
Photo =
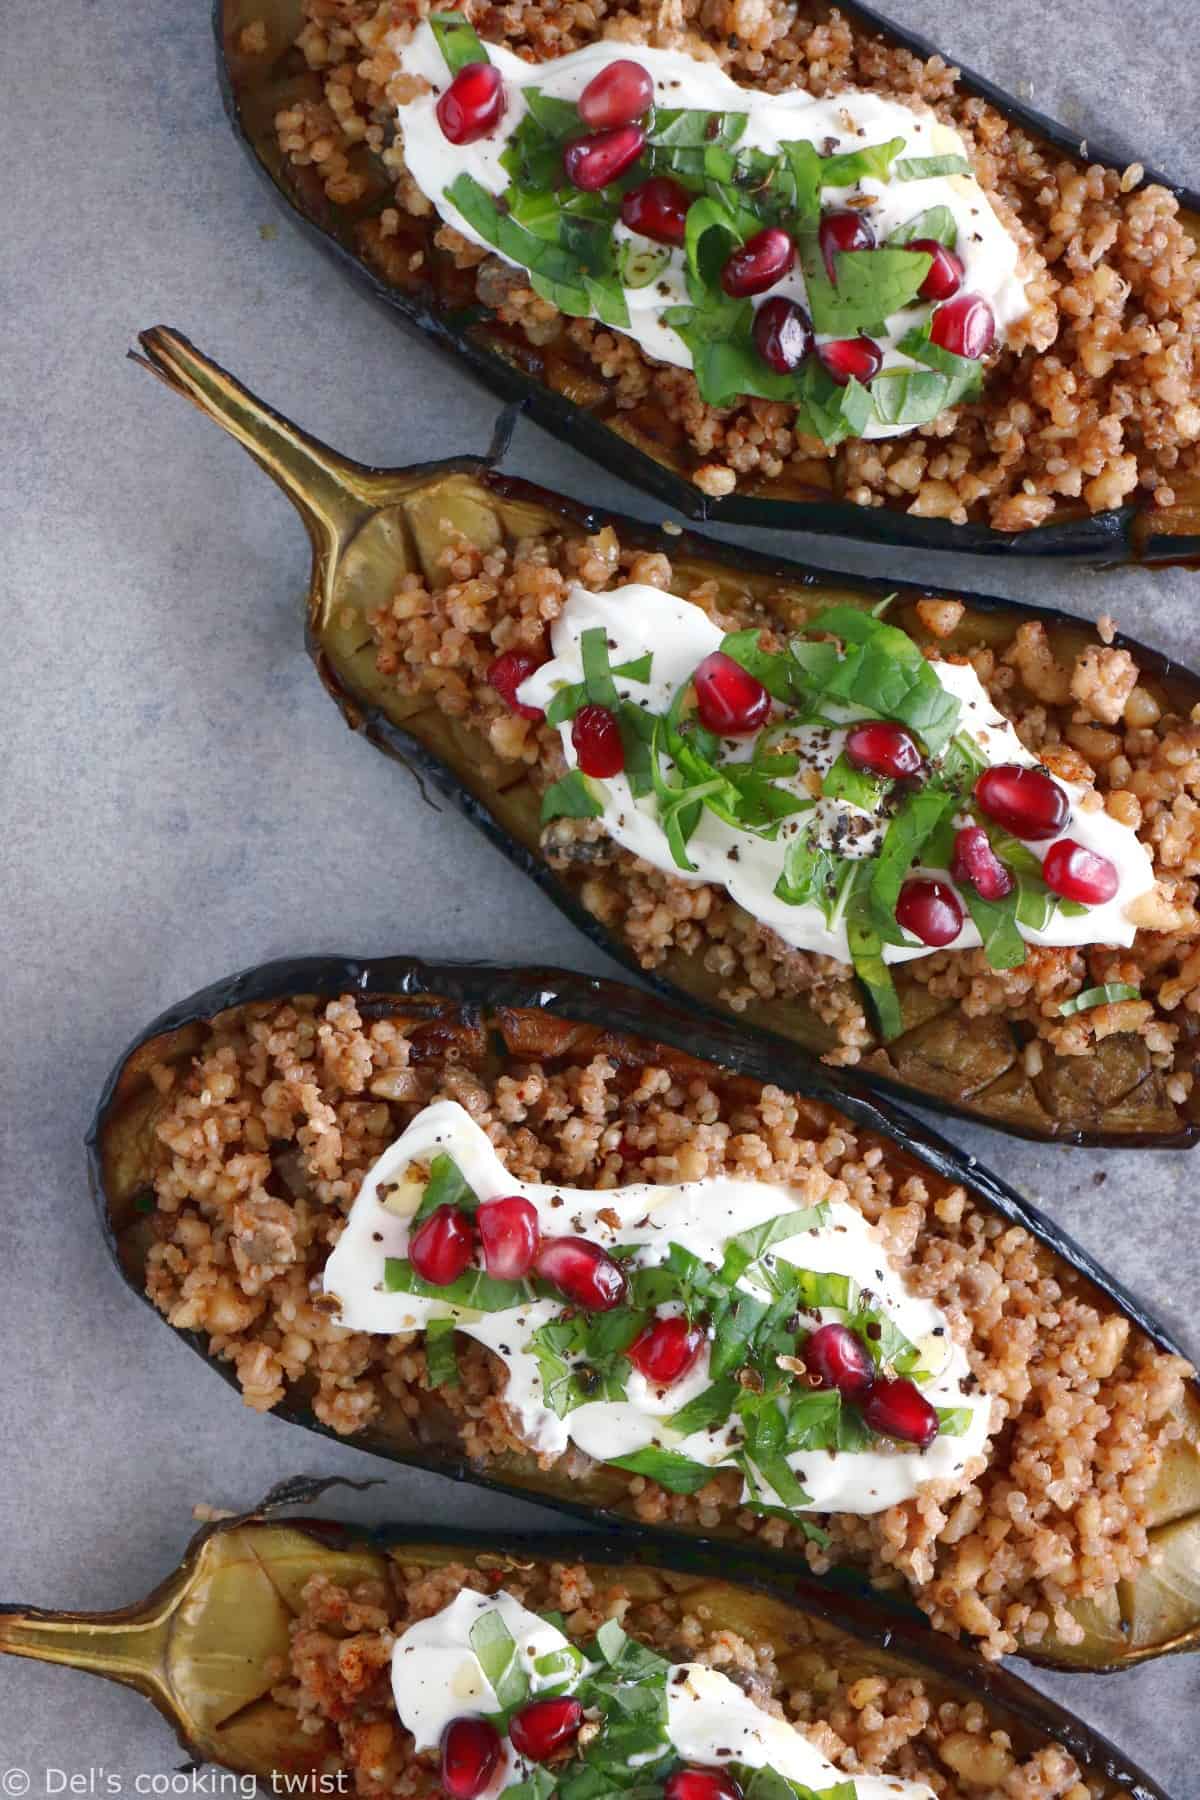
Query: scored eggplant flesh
208 1645
566 393
369 527
488 1018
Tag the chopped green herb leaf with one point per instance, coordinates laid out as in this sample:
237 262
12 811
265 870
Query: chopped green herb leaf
480 1292
447 1186
936 222
496 1650
573 797
441 1363
922 168
1099 996
953 1421
457 40
712 1407
678 1474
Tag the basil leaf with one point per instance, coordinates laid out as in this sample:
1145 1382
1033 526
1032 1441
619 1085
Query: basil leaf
871 285
539 1784
712 1407
572 695
639 264
936 222
953 1421
1099 996
842 781
558 118
849 167
735 1328
573 797
441 1363
811 1420
746 1248
884 1339
884 672
866 953
775 1470
774 668
807 876
809 1287
577 274
704 216
678 1474
803 166
480 1292
457 40
996 923
597 672
447 1186
695 129
496 1651
907 834
923 168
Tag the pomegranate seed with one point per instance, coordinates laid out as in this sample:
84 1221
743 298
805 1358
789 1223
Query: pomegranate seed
442 1245
665 1350
597 740
506 675
658 209
975 861
1079 874
544 1726
966 325
843 231
473 105
1026 802
783 334
583 1272
470 1752
945 275
885 749
858 357
931 910
762 260
728 698
616 96
701 1784
839 1359
898 1409
508 1230
592 162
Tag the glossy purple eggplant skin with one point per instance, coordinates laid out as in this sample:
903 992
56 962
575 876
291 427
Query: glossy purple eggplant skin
497 1003
238 1585
254 87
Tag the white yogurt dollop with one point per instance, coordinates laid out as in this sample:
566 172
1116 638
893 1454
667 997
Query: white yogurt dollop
845 122
679 636
436 1677
700 1216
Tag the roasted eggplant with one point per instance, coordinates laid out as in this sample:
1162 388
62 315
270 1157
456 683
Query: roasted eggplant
209 1644
484 1021
369 527
261 72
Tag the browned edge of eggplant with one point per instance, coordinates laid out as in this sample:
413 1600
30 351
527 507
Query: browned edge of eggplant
199 1646
485 996
253 87
360 520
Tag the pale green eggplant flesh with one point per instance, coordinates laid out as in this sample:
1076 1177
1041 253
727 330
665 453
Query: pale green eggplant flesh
371 526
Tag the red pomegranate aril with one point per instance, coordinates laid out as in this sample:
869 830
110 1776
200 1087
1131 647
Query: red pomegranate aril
898 1409
506 675
592 162
762 260
470 1753
657 209
665 1350
783 334
931 910
583 1272
618 95
975 861
885 748
597 740
966 325
442 1245
544 1726
945 275
1027 802
508 1231
729 700
842 231
473 105
701 1784
839 1359
1078 874
851 358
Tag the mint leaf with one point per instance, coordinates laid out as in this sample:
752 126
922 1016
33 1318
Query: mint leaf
678 1474
748 1246
935 222
712 1407
849 167
996 923
871 285
441 1363
573 797
906 836
922 168
476 1290
953 1421
447 1186
496 1651
1099 996
457 40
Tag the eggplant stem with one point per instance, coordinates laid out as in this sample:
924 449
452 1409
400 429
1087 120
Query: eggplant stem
112 1645
332 494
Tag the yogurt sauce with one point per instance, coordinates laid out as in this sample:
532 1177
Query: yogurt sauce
436 1677
845 122
679 635
701 1216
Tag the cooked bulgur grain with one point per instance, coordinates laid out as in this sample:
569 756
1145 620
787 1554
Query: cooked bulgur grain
263 1143
1095 398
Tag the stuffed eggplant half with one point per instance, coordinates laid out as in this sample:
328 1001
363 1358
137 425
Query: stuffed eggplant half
793 275
949 844
487 1223
390 1663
